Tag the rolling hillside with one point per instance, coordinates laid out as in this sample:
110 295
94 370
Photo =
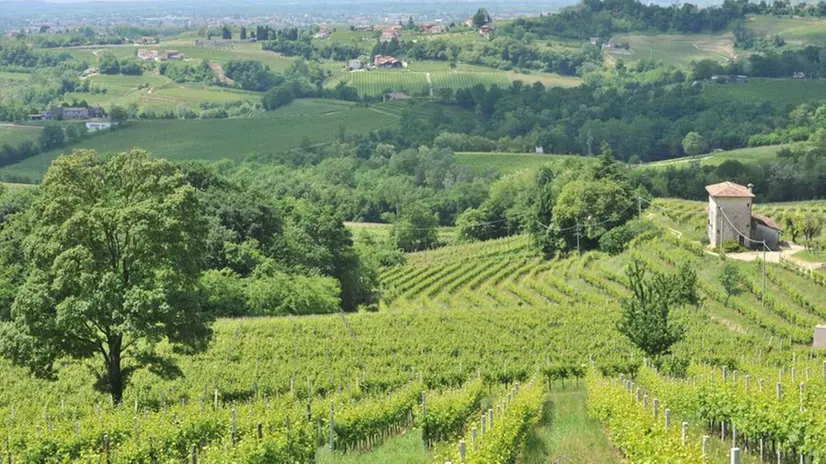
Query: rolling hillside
235 139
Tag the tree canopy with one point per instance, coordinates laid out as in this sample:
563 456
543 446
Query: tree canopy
113 252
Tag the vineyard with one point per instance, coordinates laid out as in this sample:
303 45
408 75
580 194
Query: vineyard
418 83
461 356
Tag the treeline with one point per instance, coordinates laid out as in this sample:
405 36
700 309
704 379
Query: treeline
575 205
16 55
501 52
604 18
810 60
264 253
52 136
641 122
110 64
185 72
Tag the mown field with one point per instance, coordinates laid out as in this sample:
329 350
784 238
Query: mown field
795 31
422 82
779 92
675 49
233 139
744 155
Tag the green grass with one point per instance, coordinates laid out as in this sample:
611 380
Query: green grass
12 76
744 155
14 134
677 50
221 139
509 162
795 31
404 449
567 434
778 92
811 256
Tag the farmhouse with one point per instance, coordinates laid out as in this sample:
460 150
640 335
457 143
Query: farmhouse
148 55
387 62
355 65
389 35
730 218
323 32
486 29
396 96
433 28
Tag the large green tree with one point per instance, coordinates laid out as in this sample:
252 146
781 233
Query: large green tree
647 318
113 252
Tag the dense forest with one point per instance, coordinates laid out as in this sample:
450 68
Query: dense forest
604 18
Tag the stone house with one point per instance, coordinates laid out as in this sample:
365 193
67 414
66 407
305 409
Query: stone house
731 219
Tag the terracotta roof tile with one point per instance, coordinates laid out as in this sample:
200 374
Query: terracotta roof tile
767 221
728 189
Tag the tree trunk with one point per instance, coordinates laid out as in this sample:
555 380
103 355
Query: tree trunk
113 368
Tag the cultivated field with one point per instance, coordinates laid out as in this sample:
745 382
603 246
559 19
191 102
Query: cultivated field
779 92
675 49
744 155
795 31
233 139
437 75
156 92
471 329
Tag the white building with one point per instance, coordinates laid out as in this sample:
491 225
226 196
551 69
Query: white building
93 126
730 218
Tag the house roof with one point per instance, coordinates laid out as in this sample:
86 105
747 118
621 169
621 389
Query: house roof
729 189
766 221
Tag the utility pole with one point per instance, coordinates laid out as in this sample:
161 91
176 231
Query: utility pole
639 208
578 249
763 300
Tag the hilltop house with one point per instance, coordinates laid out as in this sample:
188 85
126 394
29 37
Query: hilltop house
731 219
433 28
389 35
387 62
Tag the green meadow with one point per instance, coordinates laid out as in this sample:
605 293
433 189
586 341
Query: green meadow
795 31
675 49
744 155
778 92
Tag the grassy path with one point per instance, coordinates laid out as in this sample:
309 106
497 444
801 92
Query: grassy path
567 435
407 448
